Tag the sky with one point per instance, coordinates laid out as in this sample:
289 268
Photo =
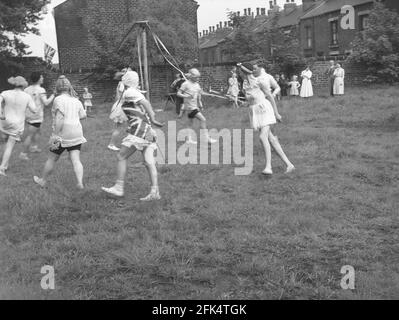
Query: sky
210 13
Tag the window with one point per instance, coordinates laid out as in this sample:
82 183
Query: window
363 21
309 37
334 32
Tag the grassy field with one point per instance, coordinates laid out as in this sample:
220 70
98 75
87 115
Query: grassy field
215 235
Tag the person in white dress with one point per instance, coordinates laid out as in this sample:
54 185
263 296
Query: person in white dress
13 106
306 89
263 113
339 77
294 86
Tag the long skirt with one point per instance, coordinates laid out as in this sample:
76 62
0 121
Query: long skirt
339 87
306 89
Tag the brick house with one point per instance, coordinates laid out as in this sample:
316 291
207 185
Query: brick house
74 17
287 18
320 28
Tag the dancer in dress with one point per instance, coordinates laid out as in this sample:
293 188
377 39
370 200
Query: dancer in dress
339 86
191 92
13 106
267 79
117 115
34 120
233 91
141 136
294 86
306 88
67 132
263 115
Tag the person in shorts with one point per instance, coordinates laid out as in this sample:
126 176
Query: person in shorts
35 120
191 92
67 132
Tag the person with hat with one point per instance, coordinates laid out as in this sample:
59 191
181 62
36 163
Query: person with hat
14 104
191 92
67 132
263 114
141 136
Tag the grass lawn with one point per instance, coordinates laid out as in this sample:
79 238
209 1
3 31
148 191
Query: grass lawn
216 235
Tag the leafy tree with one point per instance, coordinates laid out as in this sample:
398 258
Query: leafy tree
17 18
377 47
277 47
178 35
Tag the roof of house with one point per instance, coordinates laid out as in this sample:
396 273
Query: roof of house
214 38
328 6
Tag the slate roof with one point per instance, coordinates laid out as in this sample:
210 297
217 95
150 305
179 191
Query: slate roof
328 6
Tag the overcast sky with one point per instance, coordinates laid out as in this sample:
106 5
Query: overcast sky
210 13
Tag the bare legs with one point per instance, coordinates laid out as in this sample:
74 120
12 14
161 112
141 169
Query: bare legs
268 140
280 152
114 138
264 138
123 156
30 140
9 146
74 156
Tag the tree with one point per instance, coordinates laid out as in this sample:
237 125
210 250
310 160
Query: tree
377 47
17 18
275 46
244 44
167 19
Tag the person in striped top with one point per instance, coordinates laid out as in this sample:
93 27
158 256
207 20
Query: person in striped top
141 136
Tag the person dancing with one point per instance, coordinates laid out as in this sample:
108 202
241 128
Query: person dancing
14 104
35 120
67 132
141 136
263 114
191 92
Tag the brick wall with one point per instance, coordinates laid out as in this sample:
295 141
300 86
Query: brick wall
74 19
160 79
216 76
321 31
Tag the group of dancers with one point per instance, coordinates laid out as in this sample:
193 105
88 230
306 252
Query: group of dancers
25 104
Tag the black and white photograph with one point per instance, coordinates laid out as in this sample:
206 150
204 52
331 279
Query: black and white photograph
212 152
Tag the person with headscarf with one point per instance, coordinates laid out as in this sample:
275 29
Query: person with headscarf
263 114
191 92
141 136
14 104
117 115
67 132
339 76
35 120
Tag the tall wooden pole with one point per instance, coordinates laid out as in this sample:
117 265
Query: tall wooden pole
145 61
